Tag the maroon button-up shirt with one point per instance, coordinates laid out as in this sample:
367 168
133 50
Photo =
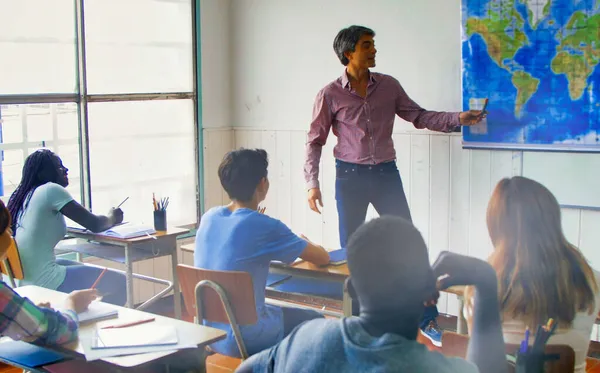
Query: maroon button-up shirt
364 125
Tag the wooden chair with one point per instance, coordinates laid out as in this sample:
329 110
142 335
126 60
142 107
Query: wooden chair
11 265
219 296
454 344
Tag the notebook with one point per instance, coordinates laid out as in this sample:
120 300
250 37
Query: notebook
129 230
142 335
337 257
96 311
28 355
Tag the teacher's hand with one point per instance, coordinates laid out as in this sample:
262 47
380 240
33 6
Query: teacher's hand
471 117
314 195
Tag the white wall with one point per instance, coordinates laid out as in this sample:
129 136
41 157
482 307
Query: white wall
281 55
216 58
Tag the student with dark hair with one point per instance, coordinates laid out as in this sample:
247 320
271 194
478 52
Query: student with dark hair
38 207
360 108
22 320
238 237
392 279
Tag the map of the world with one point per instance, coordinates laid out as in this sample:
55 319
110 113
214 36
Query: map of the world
538 62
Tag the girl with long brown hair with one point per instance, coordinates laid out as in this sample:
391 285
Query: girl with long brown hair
540 274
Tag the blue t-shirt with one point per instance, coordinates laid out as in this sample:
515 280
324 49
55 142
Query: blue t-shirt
39 228
247 241
343 345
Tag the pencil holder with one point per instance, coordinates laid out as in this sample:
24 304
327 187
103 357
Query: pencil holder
533 362
160 220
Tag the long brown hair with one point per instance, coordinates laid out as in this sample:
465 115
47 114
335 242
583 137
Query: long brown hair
540 274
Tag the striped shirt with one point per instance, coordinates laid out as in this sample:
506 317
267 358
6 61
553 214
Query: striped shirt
364 125
20 319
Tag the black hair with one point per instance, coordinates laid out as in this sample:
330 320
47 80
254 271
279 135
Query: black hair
389 264
346 39
5 220
241 171
40 168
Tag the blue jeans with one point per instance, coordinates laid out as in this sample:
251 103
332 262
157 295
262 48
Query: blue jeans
380 185
112 285
292 317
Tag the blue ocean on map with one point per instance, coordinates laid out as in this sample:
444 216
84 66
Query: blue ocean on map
559 104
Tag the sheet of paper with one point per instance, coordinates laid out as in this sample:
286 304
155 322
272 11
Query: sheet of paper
149 334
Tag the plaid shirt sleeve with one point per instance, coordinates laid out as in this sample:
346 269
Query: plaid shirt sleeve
20 319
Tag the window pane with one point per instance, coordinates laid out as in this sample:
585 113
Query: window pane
37 46
26 128
139 46
139 148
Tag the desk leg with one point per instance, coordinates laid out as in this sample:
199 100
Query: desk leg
176 290
461 323
129 277
346 304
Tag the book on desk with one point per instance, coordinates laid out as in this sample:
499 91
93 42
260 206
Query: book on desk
124 230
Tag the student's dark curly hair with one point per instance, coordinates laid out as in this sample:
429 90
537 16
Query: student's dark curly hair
5 220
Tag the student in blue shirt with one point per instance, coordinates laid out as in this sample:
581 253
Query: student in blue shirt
38 207
238 237
393 281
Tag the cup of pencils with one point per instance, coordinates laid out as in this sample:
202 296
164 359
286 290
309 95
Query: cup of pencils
531 359
160 213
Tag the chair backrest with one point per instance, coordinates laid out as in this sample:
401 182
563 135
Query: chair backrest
237 285
11 266
454 344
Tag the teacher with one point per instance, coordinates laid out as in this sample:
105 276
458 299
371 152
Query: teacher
361 106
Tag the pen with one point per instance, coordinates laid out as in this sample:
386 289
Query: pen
99 278
121 204
154 202
526 339
125 325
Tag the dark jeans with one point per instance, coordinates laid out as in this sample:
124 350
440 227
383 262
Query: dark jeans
111 286
380 185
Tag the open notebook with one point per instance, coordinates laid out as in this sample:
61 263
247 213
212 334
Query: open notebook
148 335
96 311
122 230
129 230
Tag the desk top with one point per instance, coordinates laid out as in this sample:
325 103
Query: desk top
201 335
304 268
171 231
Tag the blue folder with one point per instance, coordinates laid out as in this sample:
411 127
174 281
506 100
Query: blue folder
328 289
274 278
337 256
28 355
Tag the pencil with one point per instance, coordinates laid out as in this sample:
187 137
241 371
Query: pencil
99 278
133 323
121 204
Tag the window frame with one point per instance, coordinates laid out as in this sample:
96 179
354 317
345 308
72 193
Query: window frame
81 98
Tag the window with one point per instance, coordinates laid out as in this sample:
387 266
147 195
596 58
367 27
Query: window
113 96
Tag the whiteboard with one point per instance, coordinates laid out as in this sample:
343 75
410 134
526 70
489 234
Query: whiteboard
573 178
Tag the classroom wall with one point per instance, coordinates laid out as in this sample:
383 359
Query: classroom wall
281 55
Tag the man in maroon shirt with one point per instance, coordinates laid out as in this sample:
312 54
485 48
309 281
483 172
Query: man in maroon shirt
360 107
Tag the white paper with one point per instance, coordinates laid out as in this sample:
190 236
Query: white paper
149 334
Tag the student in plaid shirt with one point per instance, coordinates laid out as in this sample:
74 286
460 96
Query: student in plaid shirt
20 319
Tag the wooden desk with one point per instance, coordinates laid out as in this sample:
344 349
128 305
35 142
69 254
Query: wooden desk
201 335
311 271
341 272
128 251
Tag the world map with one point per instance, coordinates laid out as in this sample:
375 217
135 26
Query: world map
538 63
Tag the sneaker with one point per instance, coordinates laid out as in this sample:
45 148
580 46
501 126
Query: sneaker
433 333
